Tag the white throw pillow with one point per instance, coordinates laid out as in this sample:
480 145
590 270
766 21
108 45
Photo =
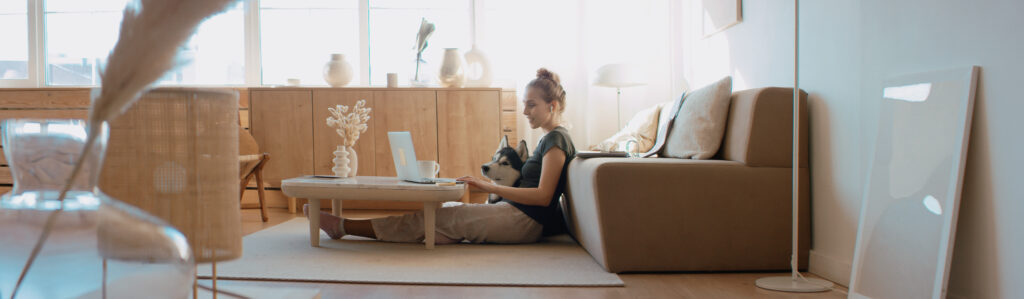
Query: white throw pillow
643 128
700 125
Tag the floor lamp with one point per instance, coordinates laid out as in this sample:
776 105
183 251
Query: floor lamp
795 282
618 76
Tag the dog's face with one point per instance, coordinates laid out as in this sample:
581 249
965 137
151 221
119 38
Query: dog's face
505 165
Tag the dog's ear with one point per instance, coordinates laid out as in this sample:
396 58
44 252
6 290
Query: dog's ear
522 151
503 143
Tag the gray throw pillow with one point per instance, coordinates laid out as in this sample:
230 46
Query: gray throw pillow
698 128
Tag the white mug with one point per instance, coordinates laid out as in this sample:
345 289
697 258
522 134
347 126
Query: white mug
428 169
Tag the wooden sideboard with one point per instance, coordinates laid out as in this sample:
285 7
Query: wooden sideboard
458 127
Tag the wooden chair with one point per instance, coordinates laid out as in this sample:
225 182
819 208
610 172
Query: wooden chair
251 162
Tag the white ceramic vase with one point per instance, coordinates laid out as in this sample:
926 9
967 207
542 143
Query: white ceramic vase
478 69
337 72
452 74
353 161
341 162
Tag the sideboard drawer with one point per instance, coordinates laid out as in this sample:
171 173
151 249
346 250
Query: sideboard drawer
508 101
508 126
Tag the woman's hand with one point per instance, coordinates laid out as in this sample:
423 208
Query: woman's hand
483 185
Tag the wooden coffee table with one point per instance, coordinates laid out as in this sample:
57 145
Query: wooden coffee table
369 188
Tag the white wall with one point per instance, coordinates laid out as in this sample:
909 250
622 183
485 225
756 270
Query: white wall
830 69
574 39
915 35
847 48
758 52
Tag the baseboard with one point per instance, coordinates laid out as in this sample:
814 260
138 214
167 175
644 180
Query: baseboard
830 268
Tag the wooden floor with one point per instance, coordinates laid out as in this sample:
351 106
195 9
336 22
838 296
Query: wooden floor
672 285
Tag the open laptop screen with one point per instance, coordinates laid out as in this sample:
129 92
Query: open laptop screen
404 155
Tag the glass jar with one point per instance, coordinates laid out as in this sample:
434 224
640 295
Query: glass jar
97 246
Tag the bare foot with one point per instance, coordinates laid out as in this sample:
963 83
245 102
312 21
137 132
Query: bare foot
329 223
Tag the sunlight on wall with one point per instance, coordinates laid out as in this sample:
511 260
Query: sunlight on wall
573 39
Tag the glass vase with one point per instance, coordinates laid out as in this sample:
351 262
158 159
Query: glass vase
423 73
97 247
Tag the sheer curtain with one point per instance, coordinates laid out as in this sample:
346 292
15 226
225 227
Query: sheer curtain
573 39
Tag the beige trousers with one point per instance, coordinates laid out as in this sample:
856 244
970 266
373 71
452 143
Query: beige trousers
478 223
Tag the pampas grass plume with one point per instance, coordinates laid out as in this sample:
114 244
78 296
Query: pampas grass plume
147 47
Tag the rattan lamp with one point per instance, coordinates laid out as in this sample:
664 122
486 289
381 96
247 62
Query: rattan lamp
174 154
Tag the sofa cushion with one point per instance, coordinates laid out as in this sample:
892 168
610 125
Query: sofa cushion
668 114
699 126
643 128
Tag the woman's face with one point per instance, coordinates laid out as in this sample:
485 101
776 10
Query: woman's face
536 110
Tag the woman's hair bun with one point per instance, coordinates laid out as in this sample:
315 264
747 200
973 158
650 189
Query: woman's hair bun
544 73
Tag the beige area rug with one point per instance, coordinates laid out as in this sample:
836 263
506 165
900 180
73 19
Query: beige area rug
282 252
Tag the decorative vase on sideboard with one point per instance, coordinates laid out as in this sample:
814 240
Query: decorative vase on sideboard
337 72
423 75
478 68
346 162
452 74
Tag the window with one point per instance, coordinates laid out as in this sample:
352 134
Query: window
255 42
14 36
80 35
216 53
297 38
393 28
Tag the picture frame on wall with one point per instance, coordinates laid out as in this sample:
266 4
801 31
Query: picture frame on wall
718 15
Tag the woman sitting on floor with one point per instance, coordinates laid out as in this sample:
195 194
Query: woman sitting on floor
524 214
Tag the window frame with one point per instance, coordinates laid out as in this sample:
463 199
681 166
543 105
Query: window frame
34 18
251 30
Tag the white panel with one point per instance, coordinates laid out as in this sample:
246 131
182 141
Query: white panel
911 200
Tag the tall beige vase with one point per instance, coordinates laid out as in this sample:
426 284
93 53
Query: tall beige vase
175 154
452 74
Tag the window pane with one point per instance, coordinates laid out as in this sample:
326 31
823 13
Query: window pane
14 37
309 4
216 53
80 35
297 41
393 28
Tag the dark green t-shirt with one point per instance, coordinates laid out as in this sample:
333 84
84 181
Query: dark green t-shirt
549 216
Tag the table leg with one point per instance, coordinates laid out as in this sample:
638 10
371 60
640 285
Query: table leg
429 223
314 222
336 207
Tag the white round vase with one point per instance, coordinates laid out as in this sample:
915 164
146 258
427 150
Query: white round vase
452 74
337 72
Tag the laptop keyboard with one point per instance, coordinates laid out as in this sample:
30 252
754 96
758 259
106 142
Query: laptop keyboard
430 180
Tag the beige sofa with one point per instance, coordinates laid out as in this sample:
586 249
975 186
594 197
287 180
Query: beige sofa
731 213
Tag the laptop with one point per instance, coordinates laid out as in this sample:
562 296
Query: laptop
404 155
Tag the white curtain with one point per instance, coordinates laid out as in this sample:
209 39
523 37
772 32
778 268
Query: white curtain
573 39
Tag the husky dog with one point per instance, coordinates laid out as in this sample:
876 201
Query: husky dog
505 166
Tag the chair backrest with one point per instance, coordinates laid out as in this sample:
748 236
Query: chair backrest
760 128
246 143
249 154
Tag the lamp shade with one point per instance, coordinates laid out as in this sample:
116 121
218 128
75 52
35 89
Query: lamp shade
618 75
174 154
